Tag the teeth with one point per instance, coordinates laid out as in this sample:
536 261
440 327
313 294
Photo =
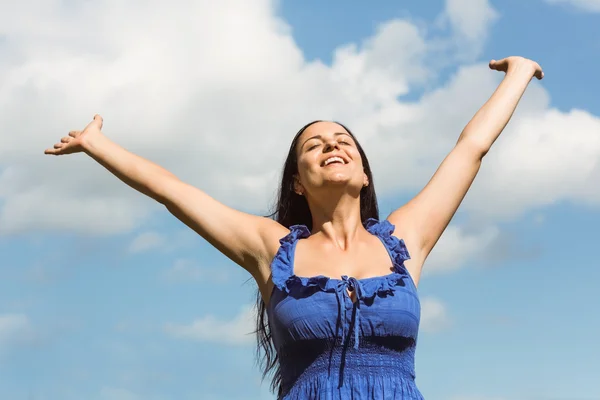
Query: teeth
334 159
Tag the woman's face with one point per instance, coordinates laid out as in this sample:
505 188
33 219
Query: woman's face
327 156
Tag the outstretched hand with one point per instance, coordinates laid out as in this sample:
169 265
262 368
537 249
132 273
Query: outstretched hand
513 63
74 143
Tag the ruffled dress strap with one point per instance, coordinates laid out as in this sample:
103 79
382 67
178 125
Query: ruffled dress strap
384 229
282 267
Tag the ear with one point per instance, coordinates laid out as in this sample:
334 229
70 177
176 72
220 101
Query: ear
298 188
365 180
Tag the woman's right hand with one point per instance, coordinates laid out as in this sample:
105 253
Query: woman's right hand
75 142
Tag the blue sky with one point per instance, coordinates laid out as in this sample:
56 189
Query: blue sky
104 295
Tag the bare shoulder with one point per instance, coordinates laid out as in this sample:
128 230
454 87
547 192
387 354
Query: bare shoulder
248 240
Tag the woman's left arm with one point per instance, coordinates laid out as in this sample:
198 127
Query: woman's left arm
423 219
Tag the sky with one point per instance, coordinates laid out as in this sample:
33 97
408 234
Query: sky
106 296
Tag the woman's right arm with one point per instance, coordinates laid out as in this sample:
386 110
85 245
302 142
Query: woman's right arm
246 239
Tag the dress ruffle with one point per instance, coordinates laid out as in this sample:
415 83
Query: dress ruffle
284 278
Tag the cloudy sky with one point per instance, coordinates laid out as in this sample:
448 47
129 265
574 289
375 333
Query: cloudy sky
105 296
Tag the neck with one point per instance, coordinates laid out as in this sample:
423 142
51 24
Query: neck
337 220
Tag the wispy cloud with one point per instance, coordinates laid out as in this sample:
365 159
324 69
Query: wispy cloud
155 241
146 241
236 331
434 315
457 247
471 21
153 71
186 270
14 329
584 5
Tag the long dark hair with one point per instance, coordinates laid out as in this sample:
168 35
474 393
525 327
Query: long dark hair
292 209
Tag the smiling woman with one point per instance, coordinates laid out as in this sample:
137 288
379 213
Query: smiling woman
292 207
338 304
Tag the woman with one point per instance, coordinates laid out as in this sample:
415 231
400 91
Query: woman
339 310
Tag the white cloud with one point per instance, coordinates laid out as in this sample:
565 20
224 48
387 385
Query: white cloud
434 315
184 270
456 247
252 90
471 19
146 241
375 73
42 209
221 116
237 331
585 5
527 167
14 329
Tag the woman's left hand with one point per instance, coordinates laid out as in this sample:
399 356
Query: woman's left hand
515 63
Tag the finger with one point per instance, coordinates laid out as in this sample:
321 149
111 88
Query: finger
99 121
498 65
59 146
74 133
53 151
66 139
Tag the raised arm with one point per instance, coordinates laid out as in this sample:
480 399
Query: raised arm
422 220
246 239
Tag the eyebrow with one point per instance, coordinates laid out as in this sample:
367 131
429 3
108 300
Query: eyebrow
321 137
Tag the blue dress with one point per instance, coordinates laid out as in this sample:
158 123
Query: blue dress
330 347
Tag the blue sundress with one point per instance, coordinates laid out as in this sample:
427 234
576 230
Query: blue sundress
331 347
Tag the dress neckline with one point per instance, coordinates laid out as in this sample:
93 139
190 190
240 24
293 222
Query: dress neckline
284 278
343 277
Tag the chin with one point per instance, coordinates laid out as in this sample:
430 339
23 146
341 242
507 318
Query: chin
338 180
341 183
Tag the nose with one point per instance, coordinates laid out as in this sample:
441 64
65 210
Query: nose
330 145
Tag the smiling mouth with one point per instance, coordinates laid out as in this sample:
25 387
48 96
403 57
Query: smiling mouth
334 161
